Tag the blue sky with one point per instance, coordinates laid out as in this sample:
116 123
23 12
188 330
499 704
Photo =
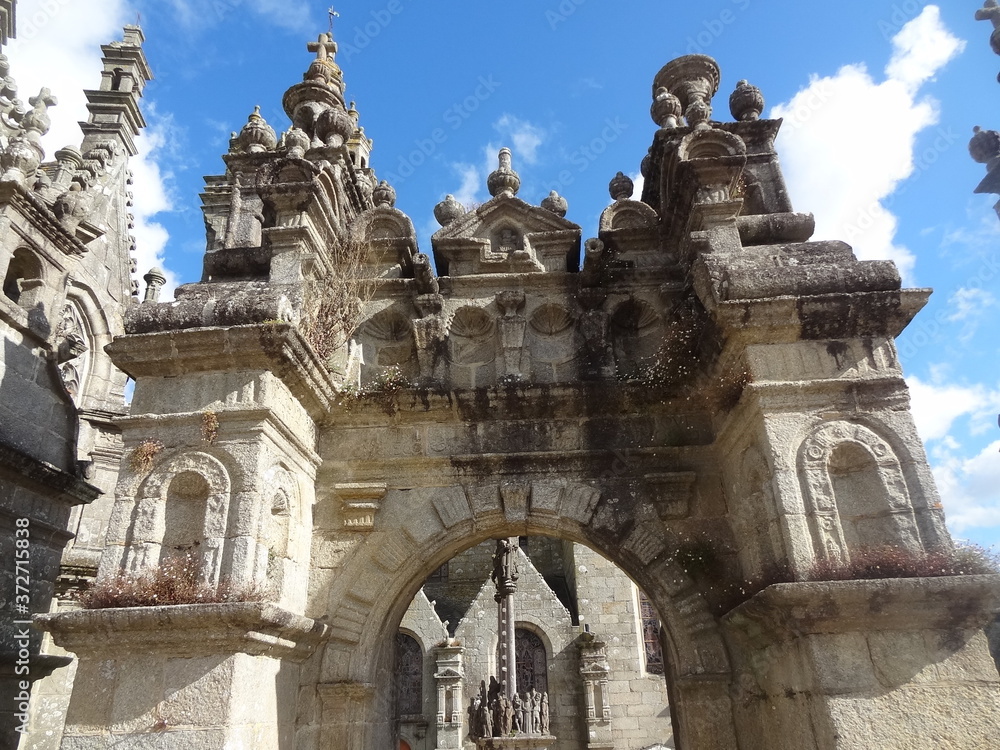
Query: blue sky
879 100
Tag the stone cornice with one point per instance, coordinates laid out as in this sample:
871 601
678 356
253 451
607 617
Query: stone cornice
70 488
254 628
277 348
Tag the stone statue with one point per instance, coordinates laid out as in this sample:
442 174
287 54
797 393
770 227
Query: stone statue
507 717
485 724
474 729
543 715
516 706
536 711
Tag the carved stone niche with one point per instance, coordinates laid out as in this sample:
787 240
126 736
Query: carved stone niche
359 503
672 493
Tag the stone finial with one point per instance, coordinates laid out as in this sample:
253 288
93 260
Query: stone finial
985 147
155 280
384 195
666 109
296 142
324 68
694 80
746 103
556 204
504 180
37 122
448 210
621 187
257 136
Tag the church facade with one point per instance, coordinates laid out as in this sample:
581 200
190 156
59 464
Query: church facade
696 420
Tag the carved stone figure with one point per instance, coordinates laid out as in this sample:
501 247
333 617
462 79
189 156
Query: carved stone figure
543 714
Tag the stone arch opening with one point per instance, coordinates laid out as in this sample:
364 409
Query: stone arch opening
364 622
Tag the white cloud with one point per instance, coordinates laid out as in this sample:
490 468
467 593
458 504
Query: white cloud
472 183
970 488
936 406
640 182
524 138
848 141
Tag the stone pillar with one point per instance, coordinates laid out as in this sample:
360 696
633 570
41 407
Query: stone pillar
866 664
505 575
347 708
211 676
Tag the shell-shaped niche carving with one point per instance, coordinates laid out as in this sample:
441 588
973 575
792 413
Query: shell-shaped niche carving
553 343
387 339
472 323
635 317
630 216
389 326
472 337
551 320
633 326
711 144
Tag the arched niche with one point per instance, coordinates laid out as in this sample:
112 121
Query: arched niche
283 541
855 492
183 507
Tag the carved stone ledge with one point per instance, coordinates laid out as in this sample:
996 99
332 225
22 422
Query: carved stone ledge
359 503
254 628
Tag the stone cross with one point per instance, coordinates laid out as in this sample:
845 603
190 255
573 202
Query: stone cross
990 12
324 47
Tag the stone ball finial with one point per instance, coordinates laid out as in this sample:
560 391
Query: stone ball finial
666 109
746 103
296 142
448 210
556 204
504 179
621 187
985 147
384 195
257 136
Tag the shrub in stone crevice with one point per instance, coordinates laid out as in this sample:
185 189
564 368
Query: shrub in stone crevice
177 580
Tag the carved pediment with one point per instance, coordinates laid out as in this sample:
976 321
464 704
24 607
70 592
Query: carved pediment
507 235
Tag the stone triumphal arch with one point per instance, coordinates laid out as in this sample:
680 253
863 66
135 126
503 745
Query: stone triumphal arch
700 393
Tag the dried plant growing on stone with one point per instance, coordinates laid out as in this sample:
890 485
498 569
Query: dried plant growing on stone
209 426
177 580
143 455
333 303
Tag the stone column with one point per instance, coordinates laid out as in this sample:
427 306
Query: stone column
347 708
505 575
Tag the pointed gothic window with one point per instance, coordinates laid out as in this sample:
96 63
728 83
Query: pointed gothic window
651 636
532 665
409 675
